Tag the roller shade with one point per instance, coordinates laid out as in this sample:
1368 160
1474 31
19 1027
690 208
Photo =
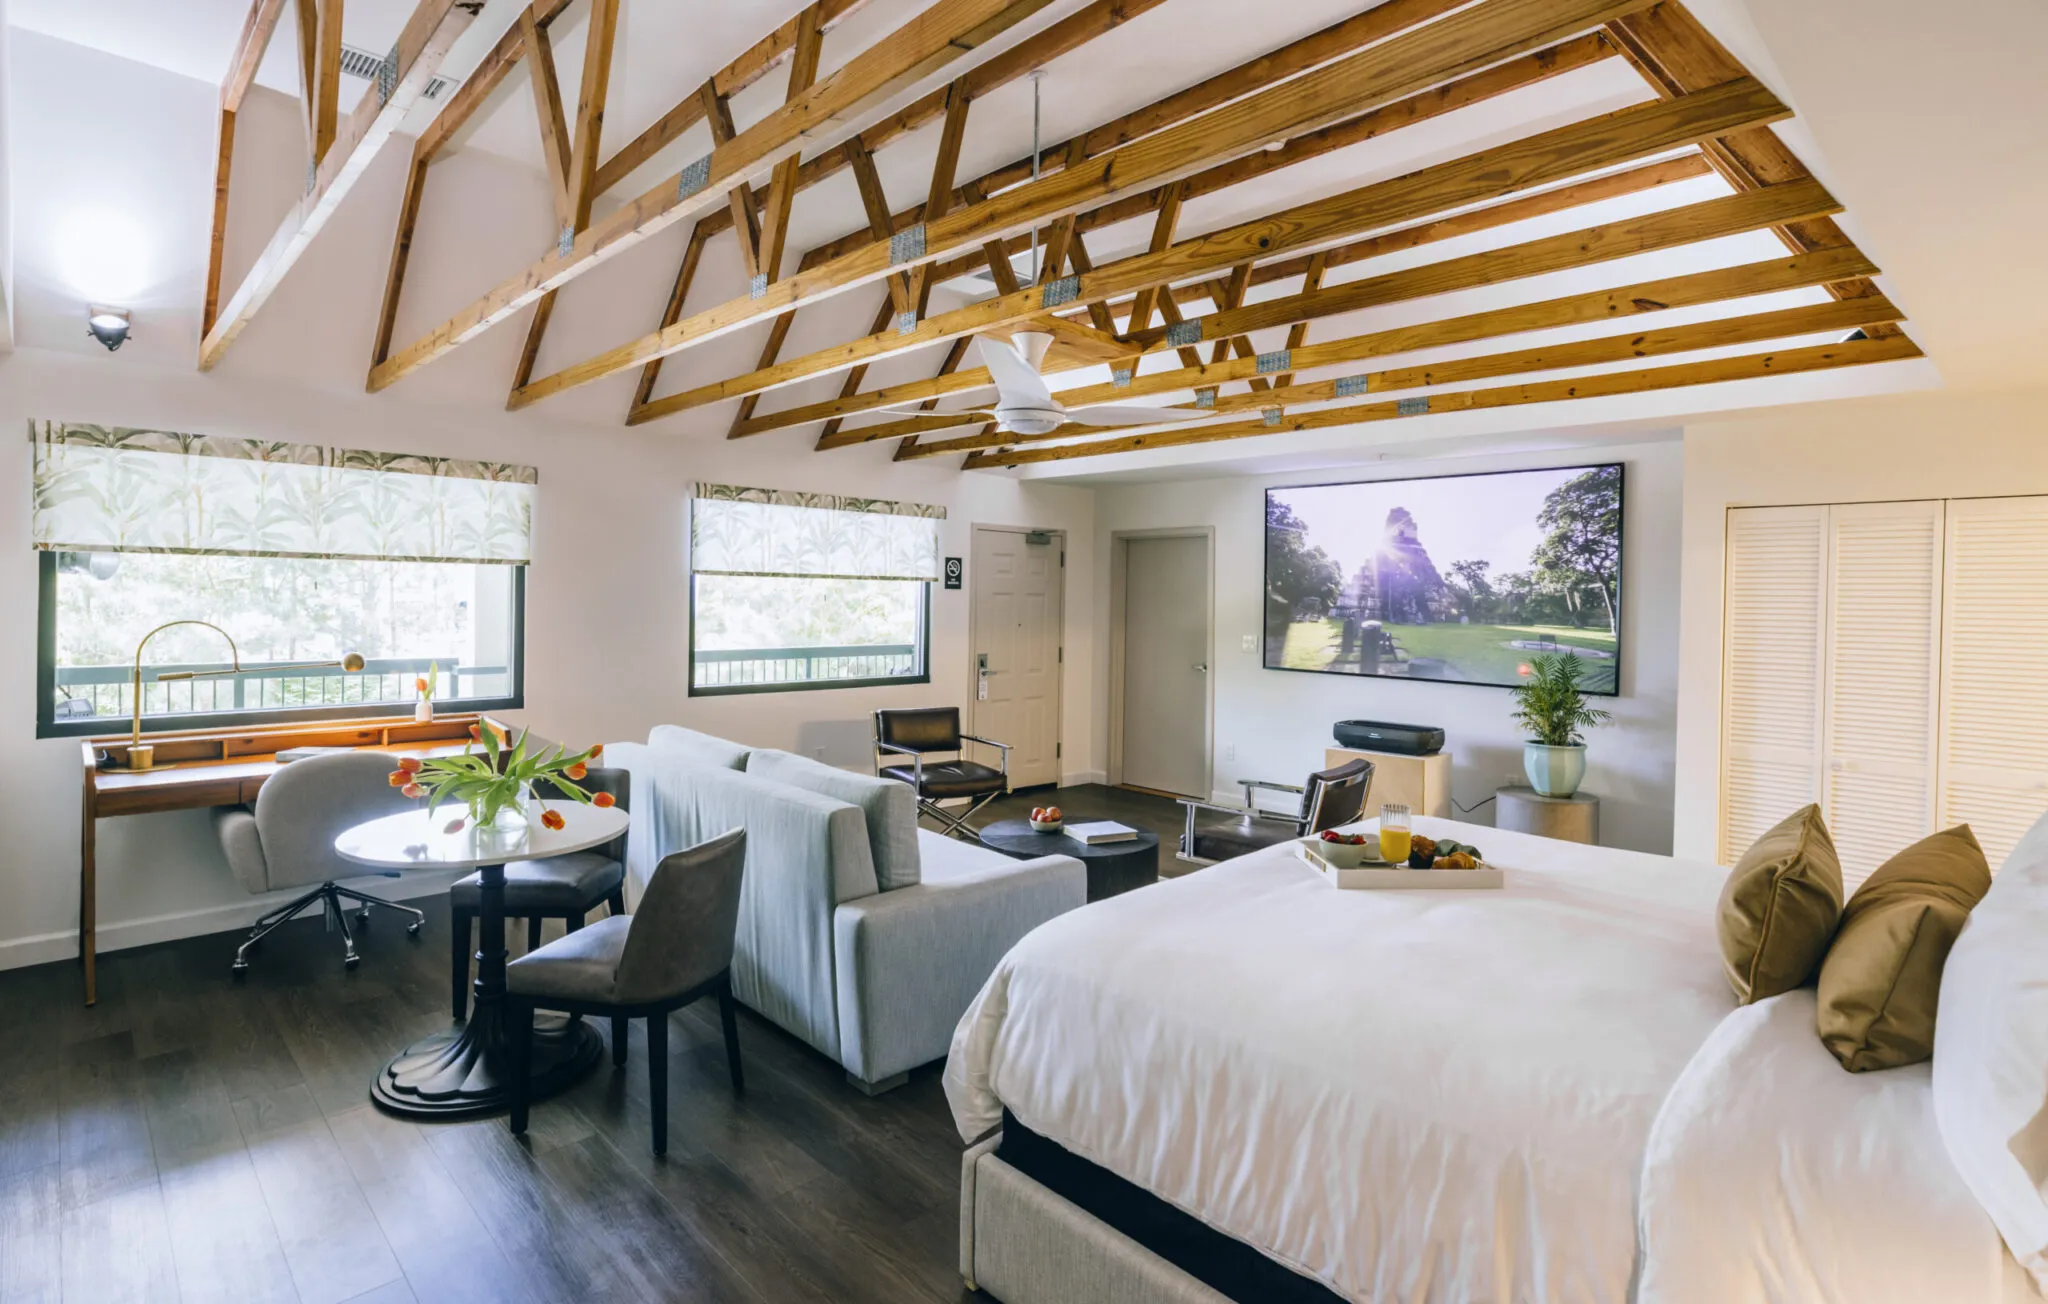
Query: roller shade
119 489
772 532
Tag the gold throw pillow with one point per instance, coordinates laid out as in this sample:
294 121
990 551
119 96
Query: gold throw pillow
1779 908
1882 977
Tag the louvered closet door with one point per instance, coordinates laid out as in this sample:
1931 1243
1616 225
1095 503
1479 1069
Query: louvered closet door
1883 650
1774 642
1994 672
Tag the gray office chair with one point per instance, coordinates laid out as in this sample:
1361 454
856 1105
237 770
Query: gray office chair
675 948
288 841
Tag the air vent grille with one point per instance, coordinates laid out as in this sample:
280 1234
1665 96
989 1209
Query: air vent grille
358 62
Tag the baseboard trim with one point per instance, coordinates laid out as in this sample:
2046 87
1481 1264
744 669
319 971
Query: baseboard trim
1077 778
124 934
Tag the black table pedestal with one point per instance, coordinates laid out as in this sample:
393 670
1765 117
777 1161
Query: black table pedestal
1113 867
465 1072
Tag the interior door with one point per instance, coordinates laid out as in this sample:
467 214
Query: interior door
1018 585
1166 665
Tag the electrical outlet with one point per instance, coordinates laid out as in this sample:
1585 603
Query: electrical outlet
1251 642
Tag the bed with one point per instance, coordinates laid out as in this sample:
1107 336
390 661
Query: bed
1246 1084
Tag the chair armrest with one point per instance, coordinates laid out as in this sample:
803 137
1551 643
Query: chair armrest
236 828
1004 748
1194 804
916 762
1252 787
1294 788
910 961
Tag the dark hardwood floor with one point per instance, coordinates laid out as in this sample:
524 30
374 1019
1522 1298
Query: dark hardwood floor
192 1139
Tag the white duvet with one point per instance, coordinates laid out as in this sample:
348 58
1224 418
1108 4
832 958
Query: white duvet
1410 1096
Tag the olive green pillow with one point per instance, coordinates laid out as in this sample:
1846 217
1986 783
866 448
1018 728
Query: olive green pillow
1882 976
1779 908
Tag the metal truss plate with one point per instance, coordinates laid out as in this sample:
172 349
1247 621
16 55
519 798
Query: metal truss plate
1350 386
1411 407
1121 378
1276 361
907 245
1183 333
906 322
758 287
694 178
387 77
1063 291
1273 416
1205 398
565 243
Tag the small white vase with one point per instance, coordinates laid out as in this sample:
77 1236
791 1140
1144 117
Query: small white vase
423 710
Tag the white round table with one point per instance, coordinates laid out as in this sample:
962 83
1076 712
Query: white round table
462 1073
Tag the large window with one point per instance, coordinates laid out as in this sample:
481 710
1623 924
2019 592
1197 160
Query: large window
805 591
298 554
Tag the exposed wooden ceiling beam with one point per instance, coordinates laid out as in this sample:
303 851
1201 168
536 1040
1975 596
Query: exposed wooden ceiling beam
757 62
1461 43
258 28
1552 156
250 47
1727 332
428 34
325 92
936 37
553 119
693 254
1631 181
1699 288
1823 357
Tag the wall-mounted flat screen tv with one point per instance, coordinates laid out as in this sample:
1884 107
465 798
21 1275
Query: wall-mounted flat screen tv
1452 579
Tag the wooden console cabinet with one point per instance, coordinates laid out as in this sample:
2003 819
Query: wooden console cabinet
1421 783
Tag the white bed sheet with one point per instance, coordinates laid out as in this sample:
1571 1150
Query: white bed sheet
1774 1177
1414 1097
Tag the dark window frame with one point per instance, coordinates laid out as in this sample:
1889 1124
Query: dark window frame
48 726
924 659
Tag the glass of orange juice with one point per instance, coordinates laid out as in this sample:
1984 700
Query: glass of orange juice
1395 834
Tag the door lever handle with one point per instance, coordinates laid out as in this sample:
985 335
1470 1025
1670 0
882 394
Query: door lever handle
1201 667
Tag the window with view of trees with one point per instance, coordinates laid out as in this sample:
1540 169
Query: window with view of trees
296 553
797 591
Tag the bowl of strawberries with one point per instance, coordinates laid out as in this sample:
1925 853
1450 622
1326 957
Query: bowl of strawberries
1346 850
1047 819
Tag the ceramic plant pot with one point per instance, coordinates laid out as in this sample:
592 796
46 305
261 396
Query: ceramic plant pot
1554 771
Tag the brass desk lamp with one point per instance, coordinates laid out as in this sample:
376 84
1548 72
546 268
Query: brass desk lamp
142 755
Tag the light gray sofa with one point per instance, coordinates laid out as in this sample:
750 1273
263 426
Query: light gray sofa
875 979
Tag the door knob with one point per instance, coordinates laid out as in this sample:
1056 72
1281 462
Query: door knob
1201 668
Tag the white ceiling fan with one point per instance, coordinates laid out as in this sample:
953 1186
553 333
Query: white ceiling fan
1025 406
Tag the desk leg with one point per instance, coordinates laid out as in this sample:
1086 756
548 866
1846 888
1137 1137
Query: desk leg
88 888
464 1072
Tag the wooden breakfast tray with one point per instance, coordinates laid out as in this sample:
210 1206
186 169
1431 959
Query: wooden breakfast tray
1380 876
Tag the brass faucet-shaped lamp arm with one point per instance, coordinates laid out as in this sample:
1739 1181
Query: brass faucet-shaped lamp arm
142 756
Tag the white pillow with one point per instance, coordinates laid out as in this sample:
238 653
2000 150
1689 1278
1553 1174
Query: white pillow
1991 1053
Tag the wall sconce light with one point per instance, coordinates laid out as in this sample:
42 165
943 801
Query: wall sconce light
107 325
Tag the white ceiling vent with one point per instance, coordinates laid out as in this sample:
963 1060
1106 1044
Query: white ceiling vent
358 62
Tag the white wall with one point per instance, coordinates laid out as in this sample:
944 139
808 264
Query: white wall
607 593
1279 721
1905 447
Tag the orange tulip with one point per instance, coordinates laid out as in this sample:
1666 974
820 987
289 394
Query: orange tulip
398 778
476 731
413 790
410 764
577 771
419 685
453 826
603 799
552 819
597 751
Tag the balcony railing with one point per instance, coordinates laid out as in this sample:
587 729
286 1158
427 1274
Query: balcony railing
751 667
85 692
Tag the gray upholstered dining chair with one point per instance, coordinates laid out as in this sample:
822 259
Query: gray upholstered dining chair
1329 799
287 841
567 887
676 947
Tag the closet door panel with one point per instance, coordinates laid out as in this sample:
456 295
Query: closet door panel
1994 670
1774 639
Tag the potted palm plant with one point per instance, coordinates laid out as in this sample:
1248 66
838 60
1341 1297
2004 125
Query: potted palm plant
1551 706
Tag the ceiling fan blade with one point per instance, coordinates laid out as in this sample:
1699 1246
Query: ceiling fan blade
1017 381
915 408
1133 415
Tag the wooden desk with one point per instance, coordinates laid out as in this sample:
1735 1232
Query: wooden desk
218 767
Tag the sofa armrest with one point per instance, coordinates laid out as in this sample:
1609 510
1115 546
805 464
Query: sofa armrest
911 960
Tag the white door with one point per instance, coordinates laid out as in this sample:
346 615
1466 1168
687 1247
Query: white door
1018 593
1166 665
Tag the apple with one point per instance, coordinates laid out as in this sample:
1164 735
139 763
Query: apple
1053 815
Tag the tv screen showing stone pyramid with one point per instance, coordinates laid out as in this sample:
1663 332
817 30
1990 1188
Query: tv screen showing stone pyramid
1457 579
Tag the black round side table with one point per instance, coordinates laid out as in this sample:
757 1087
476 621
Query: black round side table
1113 867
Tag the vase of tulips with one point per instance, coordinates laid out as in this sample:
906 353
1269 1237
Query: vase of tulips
495 779
424 686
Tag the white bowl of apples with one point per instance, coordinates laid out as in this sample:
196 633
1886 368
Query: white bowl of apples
1047 819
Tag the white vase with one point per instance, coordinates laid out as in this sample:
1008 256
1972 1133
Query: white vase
1554 771
423 710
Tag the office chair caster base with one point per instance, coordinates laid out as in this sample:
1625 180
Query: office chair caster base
363 917
239 971
413 929
350 961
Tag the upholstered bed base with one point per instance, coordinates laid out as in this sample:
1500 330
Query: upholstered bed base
1025 1245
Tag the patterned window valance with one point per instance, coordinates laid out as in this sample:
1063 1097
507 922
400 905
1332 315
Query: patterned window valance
735 531
115 489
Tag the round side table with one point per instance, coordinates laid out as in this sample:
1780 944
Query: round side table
1113 867
1521 809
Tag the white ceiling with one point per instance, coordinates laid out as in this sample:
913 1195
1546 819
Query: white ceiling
1933 132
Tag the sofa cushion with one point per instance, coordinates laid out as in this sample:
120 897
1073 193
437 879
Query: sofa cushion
889 808
947 860
703 748
557 885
